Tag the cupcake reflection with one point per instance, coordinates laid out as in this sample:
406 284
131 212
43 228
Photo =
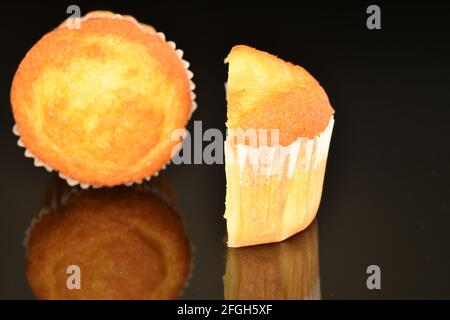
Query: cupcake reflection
129 243
285 270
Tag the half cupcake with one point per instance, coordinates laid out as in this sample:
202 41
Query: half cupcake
279 129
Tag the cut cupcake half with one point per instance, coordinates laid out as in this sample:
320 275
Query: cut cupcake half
279 129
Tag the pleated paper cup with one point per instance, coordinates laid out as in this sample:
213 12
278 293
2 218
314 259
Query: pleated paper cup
273 192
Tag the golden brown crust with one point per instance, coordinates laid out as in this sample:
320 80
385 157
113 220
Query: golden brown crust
265 92
99 103
128 243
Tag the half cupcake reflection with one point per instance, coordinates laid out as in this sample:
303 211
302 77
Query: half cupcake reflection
285 270
128 243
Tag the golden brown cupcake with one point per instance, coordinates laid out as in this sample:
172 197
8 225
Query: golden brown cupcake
279 129
288 270
129 243
99 104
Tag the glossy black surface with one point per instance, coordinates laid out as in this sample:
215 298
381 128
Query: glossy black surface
386 194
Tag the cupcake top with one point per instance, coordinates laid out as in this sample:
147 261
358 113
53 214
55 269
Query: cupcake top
265 92
100 103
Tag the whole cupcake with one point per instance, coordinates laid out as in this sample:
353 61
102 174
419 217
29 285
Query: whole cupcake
99 103
279 129
128 243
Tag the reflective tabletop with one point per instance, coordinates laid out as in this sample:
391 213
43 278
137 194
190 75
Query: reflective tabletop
384 208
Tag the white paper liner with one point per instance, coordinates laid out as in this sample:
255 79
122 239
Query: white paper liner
145 28
285 169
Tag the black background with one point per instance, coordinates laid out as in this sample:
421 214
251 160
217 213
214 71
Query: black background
386 194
